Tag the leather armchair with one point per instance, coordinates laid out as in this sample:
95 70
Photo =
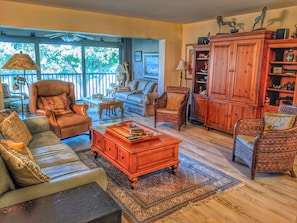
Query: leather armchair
266 150
178 115
66 125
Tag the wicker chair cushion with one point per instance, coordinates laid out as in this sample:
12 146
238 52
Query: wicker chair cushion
246 140
174 100
276 121
166 111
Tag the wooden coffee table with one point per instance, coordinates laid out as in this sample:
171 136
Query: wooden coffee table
137 158
110 104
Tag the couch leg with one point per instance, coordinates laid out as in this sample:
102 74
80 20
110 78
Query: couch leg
90 134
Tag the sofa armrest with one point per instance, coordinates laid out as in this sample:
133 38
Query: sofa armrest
97 175
150 98
37 124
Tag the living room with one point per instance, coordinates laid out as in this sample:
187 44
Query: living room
270 198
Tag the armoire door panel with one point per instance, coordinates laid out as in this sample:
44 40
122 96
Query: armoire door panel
220 63
240 111
243 79
217 114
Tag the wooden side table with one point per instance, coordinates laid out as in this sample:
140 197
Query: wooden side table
87 203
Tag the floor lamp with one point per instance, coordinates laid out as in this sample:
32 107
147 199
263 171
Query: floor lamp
20 61
181 67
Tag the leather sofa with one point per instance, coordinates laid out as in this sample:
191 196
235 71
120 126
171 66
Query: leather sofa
55 159
139 96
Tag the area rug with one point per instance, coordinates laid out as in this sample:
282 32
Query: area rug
161 193
107 116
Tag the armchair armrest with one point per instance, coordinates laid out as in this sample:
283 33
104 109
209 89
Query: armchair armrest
282 141
250 126
80 109
161 101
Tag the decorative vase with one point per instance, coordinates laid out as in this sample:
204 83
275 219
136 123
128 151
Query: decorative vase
290 56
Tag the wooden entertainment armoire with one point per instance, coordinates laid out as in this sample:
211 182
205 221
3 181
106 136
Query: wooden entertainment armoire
235 86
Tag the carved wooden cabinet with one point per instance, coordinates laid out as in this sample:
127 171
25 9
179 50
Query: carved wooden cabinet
199 83
236 78
281 74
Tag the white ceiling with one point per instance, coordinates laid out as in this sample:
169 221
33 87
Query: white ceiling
176 11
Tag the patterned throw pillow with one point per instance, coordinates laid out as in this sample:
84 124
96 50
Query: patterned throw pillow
23 171
58 104
276 121
18 146
174 100
14 128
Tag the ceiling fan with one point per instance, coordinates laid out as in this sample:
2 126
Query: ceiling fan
69 37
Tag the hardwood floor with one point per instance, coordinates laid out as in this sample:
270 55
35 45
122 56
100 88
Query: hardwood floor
270 198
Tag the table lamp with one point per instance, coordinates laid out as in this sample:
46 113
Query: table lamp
181 66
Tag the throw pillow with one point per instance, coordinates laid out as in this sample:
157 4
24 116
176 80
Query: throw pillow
58 104
15 129
18 146
276 121
23 171
174 100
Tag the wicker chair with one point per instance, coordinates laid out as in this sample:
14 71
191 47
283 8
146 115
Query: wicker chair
266 150
175 116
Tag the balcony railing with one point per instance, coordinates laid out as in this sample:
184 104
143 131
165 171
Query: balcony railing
90 84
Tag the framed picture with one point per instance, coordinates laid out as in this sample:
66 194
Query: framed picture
138 56
190 60
151 65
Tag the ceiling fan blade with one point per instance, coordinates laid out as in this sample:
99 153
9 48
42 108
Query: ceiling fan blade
54 35
84 36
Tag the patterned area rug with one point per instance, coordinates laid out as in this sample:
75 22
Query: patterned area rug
107 116
161 193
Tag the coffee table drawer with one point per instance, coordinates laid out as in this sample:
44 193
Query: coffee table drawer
98 140
110 149
123 157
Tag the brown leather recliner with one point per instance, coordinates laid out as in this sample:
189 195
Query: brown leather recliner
74 122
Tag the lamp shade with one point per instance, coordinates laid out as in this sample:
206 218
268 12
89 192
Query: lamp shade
20 61
120 69
181 65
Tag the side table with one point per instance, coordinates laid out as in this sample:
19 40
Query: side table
86 203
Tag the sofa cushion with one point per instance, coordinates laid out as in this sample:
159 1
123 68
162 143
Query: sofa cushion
64 169
133 85
141 85
58 104
19 147
137 98
123 95
174 100
23 171
53 155
15 129
6 183
276 121
42 139
149 87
